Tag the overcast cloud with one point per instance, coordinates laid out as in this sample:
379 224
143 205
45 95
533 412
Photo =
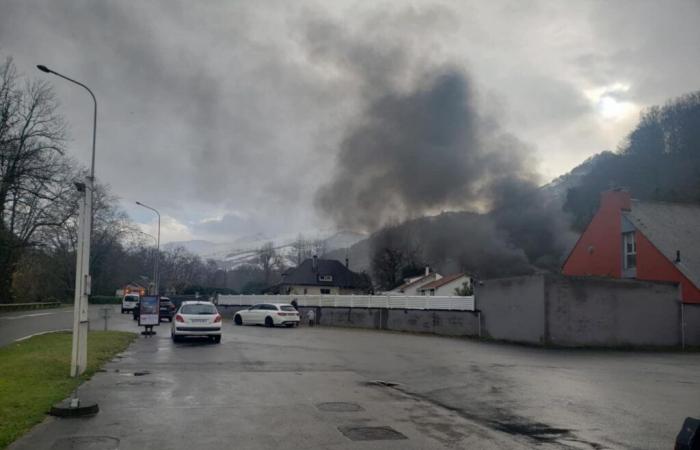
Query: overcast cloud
230 116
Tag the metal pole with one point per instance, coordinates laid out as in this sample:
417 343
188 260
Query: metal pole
155 266
82 275
157 263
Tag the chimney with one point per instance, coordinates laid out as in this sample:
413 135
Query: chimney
616 199
314 264
427 270
347 262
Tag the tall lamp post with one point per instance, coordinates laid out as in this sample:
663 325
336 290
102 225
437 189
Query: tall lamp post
155 267
82 267
157 263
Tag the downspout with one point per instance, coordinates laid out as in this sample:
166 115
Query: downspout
682 325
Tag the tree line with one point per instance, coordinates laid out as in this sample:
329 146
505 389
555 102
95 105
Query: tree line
39 206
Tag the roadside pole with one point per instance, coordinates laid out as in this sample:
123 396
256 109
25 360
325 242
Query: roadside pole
82 283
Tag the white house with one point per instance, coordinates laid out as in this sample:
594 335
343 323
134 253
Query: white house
445 285
412 285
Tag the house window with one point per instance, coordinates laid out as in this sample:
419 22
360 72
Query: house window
325 291
328 278
630 250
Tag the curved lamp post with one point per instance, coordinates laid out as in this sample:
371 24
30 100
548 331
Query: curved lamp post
157 263
82 272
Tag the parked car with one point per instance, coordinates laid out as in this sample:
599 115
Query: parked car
268 314
167 309
129 302
196 319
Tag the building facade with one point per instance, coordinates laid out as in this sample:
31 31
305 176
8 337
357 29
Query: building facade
317 276
652 241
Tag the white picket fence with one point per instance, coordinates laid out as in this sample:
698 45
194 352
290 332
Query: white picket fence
453 303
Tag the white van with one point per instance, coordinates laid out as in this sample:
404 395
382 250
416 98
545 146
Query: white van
129 302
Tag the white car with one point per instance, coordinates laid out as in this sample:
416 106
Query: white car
129 302
268 314
196 319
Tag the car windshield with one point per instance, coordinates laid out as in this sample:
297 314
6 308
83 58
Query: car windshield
287 308
131 298
201 309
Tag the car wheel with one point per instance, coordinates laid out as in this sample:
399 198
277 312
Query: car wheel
216 339
122 310
237 320
269 322
175 337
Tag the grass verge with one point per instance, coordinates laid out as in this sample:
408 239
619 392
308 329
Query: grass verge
34 374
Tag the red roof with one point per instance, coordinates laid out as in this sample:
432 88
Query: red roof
442 281
411 283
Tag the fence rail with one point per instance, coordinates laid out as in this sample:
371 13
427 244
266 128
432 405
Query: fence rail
356 301
24 306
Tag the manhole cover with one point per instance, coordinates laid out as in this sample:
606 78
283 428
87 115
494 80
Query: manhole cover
339 407
86 443
371 433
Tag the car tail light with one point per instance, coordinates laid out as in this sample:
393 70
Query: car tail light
179 318
217 318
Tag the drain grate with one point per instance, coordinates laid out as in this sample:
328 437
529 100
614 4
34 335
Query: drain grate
86 443
339 407
371 433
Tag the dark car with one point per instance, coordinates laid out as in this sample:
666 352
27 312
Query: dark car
167 310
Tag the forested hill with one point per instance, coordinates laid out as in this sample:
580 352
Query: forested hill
659 160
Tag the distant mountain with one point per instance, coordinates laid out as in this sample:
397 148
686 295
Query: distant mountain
243 250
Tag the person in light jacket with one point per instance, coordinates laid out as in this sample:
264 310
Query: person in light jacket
311 316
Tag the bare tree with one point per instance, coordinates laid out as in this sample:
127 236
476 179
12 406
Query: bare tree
35 178
302 249
319 247
394 257
268 259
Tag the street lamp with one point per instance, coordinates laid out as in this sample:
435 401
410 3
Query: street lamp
157 264
155 267
82 266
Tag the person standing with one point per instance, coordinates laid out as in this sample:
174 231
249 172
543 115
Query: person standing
311 316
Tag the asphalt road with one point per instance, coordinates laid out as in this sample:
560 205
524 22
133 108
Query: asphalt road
19 324
315 388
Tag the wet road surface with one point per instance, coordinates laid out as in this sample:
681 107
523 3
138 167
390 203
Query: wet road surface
317 388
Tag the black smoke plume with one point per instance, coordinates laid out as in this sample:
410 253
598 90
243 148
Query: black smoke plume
422 152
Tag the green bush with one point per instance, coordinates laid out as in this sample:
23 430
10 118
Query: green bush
105 300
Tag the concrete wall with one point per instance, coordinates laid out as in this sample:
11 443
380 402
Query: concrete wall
512 309
582 311
607 312
447 323
545 310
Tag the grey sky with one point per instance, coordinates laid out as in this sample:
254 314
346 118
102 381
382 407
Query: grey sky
228 116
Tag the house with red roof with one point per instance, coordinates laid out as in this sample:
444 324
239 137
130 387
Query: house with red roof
446 285
651 241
